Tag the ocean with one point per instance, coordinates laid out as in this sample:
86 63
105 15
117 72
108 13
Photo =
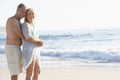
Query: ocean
75 48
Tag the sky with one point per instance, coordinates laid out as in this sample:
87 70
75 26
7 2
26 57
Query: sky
67 14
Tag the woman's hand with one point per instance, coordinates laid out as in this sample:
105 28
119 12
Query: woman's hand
39 43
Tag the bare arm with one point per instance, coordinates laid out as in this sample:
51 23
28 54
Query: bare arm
15 25
33 39
38 42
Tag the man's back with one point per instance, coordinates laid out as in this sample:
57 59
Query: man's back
12 28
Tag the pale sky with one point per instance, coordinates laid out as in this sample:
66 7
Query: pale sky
68 14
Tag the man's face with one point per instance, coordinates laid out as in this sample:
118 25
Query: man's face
21 12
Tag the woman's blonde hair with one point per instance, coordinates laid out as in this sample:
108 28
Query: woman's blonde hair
27 13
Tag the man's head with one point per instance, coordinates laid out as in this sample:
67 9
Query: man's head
21 9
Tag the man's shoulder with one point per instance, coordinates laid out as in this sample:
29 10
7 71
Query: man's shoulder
12 19
11 22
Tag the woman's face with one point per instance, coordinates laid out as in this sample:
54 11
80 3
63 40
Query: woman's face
30 16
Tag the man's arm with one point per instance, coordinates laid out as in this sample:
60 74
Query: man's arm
15 25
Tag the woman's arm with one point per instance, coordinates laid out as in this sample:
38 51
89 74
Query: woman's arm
38 42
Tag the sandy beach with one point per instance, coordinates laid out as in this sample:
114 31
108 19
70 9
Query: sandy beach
82 73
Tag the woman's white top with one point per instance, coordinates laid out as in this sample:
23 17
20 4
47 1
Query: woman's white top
30 50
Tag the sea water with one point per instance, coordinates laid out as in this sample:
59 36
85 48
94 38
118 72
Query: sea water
75 48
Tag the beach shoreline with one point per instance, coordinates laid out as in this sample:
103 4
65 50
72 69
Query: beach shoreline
81 73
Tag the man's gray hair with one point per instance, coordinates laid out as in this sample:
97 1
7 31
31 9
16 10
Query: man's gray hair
20 6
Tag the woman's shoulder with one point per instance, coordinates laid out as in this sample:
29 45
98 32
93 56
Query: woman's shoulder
25 26
25 23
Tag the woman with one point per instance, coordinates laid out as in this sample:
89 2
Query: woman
31 47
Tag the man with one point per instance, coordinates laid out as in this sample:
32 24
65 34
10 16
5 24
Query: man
13 42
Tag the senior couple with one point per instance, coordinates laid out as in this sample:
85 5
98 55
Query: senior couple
22 34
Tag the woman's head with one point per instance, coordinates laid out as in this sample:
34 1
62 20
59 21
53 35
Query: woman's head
29 16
